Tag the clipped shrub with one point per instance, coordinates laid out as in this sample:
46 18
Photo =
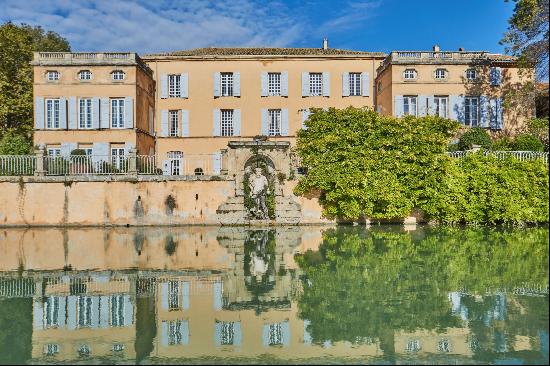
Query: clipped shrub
502 144
527 142
474 136
15 144
78 152
538 127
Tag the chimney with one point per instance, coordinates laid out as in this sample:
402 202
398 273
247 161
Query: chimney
325 44
461 49
436 48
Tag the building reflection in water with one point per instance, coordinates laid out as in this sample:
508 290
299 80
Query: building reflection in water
217 292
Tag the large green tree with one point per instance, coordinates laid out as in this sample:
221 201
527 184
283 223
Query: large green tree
17 44
527 34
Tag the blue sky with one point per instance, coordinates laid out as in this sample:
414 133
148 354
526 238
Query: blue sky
164 25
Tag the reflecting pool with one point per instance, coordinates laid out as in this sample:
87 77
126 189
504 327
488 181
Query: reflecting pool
274 295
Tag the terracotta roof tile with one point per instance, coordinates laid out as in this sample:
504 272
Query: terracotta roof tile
265 51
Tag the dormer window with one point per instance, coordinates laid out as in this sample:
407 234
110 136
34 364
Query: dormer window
85 75
471 74
440 74
52 75
409 74
118 75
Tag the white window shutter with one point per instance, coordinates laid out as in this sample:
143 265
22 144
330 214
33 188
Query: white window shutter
216 123
455 107
398 105
62 113
39 113
345 84
185 294
185 123
72 114
265 124
284 122
236 84
95 113
422 104
236 122
265 82
484 111
38 313
500 114
184 85
430 106
305 84
326 84
164 123
217 82
166 171
305 116
285 330
164 86
217 165
104 117
237 334
365 84
128 112
284 84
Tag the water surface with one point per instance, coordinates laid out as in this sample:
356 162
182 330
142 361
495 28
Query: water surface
284 295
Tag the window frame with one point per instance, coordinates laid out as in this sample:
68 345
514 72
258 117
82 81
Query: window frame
118 72
174 85
50 73
437 71
54 151
355 84
274 122
116 310
407 99
120 114
227 122
468 112
471 70
437 102
410 74
173 123
85 123
227 84
88 73
274 84
315 84
175 158
53 117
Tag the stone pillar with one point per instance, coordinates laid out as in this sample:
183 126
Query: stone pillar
132 162
225 162
40 161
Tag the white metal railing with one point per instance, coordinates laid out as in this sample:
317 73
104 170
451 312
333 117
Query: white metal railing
85 165
520 155
17 287
194 164
147 164
17 164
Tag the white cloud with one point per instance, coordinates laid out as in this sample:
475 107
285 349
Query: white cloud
164 25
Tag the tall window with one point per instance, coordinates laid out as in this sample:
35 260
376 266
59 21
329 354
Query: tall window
409 74
174 86
274 122
227 333
84 311
444 345
174 123
175 331
315 84
51 311
173 295
471 74
440 74
117 311
117 158
274 83
118 75
275 334
355 84
175 162
52 113
117 113
85 75
471 111
85 113
441 104
409 105
52 75
227 84
227 122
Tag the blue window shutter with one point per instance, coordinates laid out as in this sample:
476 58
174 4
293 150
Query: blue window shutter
95 312
62 113
104 312
185 294
265 335
62 311
218 287
284 122
128 112
454 110
495 76
184 85
128 311
285 329
39 113
345 84
493 113
67 148
326 84
305 84
164 333
236 122
237 334
101 148
71 113
284 84
365 84
185 123
95 113
422 104
164 295
398 105
218 333
500 114
305 116
265 124
237 84
430 106
217 81
105 113
164 123
216 123
164 86
38 313
264 84
71 312
484 111
127 147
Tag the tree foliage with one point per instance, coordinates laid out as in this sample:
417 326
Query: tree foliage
474 136
366 165
17 44
527 34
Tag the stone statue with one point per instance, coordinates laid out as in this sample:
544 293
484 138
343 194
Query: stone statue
259 190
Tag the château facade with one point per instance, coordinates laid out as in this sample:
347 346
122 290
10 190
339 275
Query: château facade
192 103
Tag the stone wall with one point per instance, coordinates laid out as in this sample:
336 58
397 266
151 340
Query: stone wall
146 200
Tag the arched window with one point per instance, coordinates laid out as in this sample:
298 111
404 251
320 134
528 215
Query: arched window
440 74
85 75
471 74
118 75
52 75
199 171
409 74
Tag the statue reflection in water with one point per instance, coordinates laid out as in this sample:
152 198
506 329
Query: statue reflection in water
259 265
